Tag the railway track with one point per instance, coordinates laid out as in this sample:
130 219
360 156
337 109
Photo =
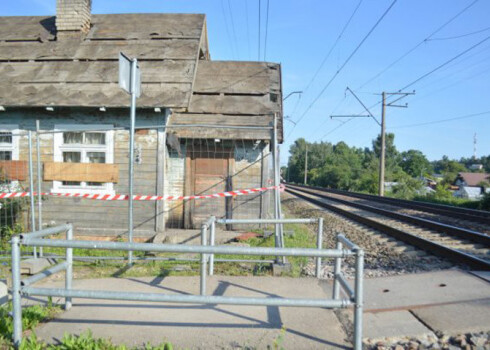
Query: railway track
473 215
457 244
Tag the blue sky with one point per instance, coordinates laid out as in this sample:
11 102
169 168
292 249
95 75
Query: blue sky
301 33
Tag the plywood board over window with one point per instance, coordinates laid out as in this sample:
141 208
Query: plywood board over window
90 172
13 170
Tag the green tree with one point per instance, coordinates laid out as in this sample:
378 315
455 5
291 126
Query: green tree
415 163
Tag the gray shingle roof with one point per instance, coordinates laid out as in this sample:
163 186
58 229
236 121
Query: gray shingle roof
37 70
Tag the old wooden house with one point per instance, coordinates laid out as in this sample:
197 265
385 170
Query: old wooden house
63 72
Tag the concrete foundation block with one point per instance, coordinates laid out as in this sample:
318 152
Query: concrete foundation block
280 269
4 293
33 266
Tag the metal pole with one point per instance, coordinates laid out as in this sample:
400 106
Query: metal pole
31 190
336 271
212 233
131 155
358 300
306 164
276 192
279 237
204 230
16 296
383 141
39 183
69 268
319 244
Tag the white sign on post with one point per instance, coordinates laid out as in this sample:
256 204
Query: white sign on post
125 64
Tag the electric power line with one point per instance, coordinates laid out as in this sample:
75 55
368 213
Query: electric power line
258 54
418 45
227 29
233 29
248 29
266 29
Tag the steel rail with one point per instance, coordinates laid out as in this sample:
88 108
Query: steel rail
480 216
422 243
471 235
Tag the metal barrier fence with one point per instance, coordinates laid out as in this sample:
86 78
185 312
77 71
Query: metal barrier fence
354 296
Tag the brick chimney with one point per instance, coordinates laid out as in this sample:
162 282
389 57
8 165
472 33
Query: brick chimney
73 17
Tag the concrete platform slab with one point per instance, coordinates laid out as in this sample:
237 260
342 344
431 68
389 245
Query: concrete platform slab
393 324
201 326
457 318
406 291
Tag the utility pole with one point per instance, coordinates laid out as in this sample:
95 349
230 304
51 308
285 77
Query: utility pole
382 125
306 163
381 190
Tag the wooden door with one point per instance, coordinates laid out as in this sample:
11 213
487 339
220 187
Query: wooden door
209 175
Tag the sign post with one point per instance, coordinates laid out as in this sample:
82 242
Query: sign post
130 81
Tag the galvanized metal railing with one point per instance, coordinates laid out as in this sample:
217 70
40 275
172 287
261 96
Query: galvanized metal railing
38 238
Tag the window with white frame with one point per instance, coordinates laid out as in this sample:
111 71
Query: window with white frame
83 144
9 150
9 142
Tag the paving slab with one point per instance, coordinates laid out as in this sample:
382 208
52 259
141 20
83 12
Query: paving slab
406 291
201 326
394 324
463 317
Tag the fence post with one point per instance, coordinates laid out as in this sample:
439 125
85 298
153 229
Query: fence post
39 183
16 297
358 299
69 268
204 230
212 234
319 244
31 190
336 271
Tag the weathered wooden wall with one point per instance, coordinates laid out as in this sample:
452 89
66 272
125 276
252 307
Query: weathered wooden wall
94 216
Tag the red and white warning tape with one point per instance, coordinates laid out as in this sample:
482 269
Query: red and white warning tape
125 197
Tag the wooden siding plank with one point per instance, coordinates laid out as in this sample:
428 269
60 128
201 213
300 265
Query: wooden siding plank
55 171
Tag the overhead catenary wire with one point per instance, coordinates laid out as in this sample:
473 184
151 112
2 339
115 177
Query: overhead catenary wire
444 64
462 35
345 62
344 28
442 120
417 45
